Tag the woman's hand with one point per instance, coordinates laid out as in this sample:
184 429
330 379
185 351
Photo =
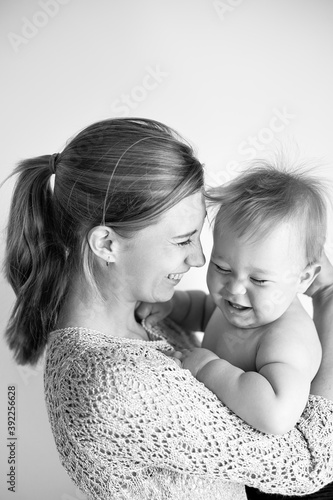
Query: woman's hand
324 280
321 292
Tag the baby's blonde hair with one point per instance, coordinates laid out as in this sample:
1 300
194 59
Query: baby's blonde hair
265 196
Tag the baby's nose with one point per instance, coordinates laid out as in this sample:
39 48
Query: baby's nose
236 288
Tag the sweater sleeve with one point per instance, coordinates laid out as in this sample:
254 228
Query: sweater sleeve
141 408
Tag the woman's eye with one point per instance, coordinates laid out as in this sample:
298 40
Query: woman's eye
258 282
184 243
222 269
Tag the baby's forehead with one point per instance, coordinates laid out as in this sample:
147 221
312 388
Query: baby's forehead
256 229
287 235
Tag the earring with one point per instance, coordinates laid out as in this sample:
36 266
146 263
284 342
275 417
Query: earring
107 262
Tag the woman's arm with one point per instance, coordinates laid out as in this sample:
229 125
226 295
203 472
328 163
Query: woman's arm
321 292
152 415
121 408
191 431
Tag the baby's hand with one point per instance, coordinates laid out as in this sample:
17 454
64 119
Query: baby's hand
197 359
177 356
153 312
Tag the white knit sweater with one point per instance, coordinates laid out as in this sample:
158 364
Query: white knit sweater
129 423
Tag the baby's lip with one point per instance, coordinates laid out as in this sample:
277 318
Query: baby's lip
236 305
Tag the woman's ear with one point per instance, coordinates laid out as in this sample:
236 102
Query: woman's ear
308 276
102 241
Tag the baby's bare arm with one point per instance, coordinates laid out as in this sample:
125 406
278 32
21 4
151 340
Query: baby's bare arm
273 398
192 309
261 399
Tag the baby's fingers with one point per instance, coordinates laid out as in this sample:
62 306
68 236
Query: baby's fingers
143 310
177 357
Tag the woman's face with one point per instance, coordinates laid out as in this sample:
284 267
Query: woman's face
153 262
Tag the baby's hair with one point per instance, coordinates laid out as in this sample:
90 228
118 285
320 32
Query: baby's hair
266 195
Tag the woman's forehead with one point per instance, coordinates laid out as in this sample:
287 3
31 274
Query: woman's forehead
183 219
192 206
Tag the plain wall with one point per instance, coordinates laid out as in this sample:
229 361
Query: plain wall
234 77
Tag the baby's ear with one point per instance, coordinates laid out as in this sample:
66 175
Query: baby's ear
308 276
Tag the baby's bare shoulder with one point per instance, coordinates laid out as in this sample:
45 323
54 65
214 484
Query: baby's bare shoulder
295 323
292 338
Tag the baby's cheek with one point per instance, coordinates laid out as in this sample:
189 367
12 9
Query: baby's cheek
273 302
217 282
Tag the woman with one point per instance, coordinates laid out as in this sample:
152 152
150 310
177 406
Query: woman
122 225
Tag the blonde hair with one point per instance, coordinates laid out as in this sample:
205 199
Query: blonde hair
266 195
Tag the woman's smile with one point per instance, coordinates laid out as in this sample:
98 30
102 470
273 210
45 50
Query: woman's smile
175 277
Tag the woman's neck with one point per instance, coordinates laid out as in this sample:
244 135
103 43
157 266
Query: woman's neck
112 317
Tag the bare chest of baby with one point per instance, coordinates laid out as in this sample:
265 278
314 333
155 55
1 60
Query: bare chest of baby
239 346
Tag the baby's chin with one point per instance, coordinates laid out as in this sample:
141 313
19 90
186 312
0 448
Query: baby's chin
246 318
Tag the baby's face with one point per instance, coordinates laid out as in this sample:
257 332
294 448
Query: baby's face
254 282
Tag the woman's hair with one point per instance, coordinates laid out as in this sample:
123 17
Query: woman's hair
264 196
123 173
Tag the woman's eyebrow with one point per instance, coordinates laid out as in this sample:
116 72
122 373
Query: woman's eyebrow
187 235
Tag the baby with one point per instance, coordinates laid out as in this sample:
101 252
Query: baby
260 348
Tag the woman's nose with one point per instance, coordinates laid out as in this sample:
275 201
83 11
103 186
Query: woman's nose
196 258
235 287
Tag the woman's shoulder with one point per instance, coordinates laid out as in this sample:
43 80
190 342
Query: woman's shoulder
75 343
78 350
82 338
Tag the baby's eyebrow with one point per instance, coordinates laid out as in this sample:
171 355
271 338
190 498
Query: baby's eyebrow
216 256
263 271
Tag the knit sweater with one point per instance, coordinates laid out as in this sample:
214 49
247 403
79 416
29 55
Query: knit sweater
129 423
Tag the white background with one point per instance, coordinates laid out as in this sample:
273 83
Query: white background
221 73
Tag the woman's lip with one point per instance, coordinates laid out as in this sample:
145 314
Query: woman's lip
175 276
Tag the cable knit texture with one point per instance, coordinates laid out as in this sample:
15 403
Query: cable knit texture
129 423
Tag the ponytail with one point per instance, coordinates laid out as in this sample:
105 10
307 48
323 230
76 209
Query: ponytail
35 262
